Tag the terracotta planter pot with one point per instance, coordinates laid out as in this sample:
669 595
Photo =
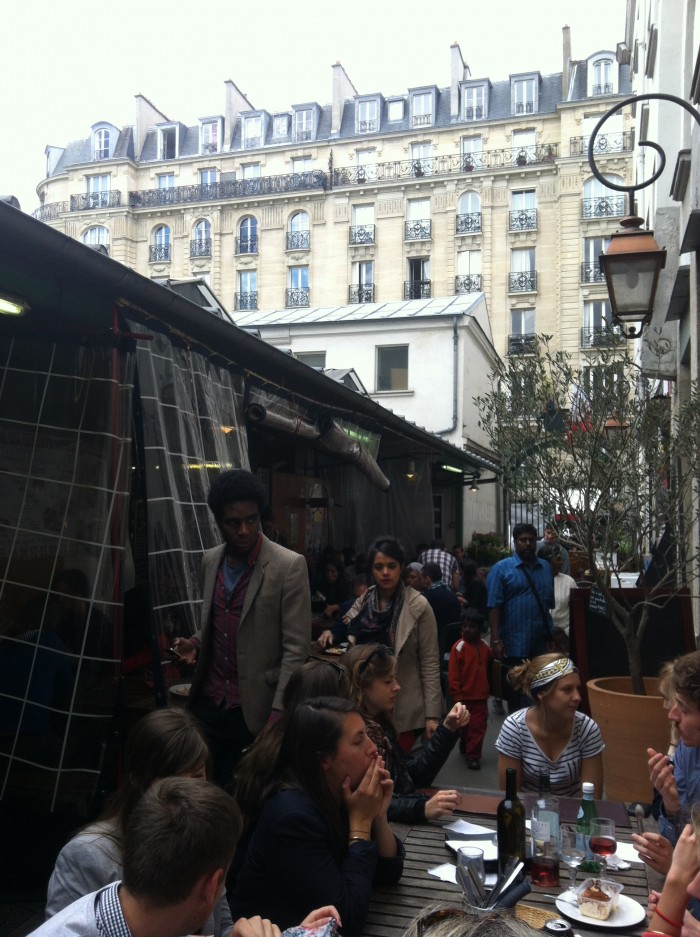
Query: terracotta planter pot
629 724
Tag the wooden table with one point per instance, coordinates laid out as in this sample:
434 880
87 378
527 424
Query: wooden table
393 907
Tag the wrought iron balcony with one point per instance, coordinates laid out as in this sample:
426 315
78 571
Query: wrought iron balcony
92 200
247 245
200 247
591 273
602 89
601 336
246 300
229 189
302 136
475 113
252 143
362 234
421 120
51 211
605 206
367 126
209 149
417 230
159 253
298 240
361 294
469 223
524 107
604 143
445 165
522 219
417 289
299 296
522 281
468 283
522 344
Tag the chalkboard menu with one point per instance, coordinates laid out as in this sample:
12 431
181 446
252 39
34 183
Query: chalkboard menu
598 649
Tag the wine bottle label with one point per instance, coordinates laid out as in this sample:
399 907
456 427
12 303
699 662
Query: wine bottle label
541 830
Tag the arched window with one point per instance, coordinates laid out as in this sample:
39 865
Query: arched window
469 214
160 244
601 202
102 143
200 245
97 236
247 240
298 235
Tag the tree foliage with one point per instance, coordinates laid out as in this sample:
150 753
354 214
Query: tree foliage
600 448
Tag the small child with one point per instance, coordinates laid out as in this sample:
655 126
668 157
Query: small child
469 671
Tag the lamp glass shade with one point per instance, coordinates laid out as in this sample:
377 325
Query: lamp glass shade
631 265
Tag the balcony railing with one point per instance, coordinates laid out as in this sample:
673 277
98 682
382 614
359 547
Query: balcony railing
522 281
362 234
522 219
602 89
302 136
298 240
252 143
522 344
469 223
524 107
246 300
475 113
367 126
601 336
229 189
299 296
159 253
92 200
468 283
605 206
208 149
417 230
200 247
361 294
51 211
604 143
591 273
416 289
421 120
247 245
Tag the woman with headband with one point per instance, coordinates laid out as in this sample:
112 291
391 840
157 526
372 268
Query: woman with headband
552 734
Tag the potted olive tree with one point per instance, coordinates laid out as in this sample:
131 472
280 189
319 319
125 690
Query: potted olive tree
599 446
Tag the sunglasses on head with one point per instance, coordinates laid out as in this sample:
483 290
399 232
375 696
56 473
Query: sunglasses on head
381 653
339 668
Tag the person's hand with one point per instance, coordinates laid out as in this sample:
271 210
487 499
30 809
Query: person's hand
430 727
442 804
457 717
655 850
661 776
325 639
255 927
330 611
186 649
321 916
367 800
652 902
685 864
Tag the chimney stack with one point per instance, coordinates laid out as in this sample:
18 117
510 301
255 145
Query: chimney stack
566 65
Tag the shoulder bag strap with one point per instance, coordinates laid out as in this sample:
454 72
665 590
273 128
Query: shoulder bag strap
536 594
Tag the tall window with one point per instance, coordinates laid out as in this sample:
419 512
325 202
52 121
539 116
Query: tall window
160 244
522 277
472 152
252 132
102 144
590 267
248 236
524 96
280 125
207 176
392 367
597 320
523 211
524 148
298 233
366 164
247 296
362 283
603 77
601 202
611 137
418 219
418 285
250 171
303 125
200 245
522 336
210 136
98 188
96 236
395 111
298 293
421 154
468 214
302 164
367 116
474 98
421 109
362 227
468 272
167 143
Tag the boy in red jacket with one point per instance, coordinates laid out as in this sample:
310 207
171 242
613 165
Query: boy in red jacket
468 673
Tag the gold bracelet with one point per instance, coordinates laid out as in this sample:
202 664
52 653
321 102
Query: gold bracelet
358 839
360 833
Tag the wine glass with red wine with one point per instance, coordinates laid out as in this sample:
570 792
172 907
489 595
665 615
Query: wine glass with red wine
602 840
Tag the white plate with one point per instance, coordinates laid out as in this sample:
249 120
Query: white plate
627 913
181 690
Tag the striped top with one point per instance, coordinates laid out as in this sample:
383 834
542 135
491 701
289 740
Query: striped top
515 741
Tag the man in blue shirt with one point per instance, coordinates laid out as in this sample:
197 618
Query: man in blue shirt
520 595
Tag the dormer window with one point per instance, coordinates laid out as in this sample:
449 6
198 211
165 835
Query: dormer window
474 102
422 109
280 125
602 75
367 116
252 132
394 110
168 142
524 95
210 136
102 144
104 140
303 125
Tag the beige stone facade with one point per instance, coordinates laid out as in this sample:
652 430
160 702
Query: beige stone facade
476 186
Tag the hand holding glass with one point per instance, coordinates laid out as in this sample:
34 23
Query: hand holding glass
572 853
603 842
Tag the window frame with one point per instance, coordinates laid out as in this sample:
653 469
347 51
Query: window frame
378 350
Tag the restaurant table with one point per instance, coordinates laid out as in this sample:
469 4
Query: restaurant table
392 908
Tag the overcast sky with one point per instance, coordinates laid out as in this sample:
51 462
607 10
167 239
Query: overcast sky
65 66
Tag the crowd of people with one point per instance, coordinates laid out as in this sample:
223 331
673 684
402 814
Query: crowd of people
269 801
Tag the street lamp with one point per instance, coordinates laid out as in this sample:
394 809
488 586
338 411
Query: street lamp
633 260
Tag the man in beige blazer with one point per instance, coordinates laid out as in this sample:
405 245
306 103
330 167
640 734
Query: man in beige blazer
255 624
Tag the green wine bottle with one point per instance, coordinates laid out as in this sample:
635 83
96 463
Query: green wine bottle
510 823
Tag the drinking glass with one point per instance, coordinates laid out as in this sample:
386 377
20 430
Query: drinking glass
602 841
572 854
471 874
472 857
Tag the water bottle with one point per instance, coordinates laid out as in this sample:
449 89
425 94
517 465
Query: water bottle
586 812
